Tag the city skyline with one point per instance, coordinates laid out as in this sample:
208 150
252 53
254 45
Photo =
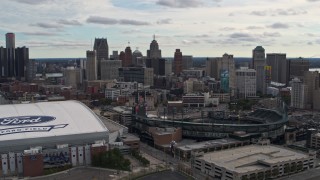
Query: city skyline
197 27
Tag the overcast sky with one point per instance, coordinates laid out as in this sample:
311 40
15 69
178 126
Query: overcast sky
67 28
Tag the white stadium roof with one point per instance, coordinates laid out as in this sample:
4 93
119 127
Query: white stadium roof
48 124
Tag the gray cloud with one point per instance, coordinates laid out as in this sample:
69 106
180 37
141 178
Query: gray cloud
290 12
278 26
240 35
164 21
227 29
254 27
180 3
271 34
33 2
279 12
101 20
40 33
133 22
69 22
131 31
105 20
313 0
202 36
185 41
243 37
48 25
259 13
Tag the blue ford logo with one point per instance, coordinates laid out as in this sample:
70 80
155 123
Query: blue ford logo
25 120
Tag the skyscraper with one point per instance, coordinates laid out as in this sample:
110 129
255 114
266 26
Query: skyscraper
21 62
259 63
102 49
298 94
297 67
154 51
91 68
311 79
177 61
187 62
10 41
279 67
127 57
3 62
246 82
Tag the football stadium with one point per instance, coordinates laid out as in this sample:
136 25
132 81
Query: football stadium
42 135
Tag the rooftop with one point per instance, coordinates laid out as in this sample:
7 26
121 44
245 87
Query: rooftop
251 158
207 144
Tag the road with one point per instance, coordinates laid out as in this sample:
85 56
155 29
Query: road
160 155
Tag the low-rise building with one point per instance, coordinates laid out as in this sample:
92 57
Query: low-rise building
252 162
186 152
193 100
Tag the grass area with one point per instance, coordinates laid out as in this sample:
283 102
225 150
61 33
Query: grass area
56 169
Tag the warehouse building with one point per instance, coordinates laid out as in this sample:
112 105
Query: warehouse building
48 134
252 162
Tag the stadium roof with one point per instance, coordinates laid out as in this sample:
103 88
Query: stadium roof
48 124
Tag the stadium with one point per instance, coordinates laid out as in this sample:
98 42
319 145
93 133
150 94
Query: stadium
267 123
48 134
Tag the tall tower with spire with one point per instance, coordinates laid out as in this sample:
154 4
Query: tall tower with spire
154 52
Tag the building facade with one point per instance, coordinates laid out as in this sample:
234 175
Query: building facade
177 62
259 63
91 66
158 65
252 162
136 74
109 69
102 50
154 52
187 62
279 67
299 94
297 67
246 83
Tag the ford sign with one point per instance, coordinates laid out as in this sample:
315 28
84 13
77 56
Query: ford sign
25 120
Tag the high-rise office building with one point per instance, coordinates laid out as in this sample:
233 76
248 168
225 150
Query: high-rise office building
10 41
91 65
259 63
127 61
297 67
3 62
13 61
187 62
177 62
102 51
311 80
73 77
158 65
299 94
213 66
279 67
21 61
246 83
225 65
154 51
114 56
110 69
136 74
168 67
